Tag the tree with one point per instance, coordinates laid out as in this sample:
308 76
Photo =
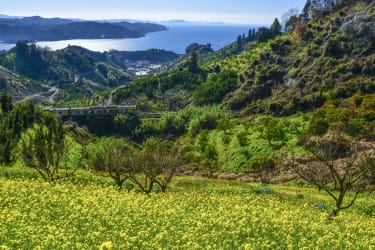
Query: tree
239 43
210 159
155 162
118 159
300 28
17 119
338 165
214 89
307 9
114 156
276 28
271 129
262 167
192 63
3 83
158 160
45 149
251 35
127 124
6 103
29 60
289 19
208 153
263 34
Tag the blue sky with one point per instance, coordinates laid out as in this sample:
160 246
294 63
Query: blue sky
230 11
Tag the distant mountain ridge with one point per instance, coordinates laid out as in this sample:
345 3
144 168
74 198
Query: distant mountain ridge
37 28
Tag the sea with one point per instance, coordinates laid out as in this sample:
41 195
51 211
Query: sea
176 39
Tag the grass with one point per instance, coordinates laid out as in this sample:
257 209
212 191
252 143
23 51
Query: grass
234 157
90 213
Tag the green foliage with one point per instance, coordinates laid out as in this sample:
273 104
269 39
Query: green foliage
355 116
6 104
198 48
192 64
126 125
210 159
157 89
264 190
203 140
154 56
263 34
113 156
276 28
272 130
20 118
242 148
63 69
46 149
174 124
215 88
29 60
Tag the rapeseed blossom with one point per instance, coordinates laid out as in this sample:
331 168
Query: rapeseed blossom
216 215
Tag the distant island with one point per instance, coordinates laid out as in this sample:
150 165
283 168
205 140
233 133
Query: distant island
37 28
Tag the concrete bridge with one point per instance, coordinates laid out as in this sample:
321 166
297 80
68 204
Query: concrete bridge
99 112
93 111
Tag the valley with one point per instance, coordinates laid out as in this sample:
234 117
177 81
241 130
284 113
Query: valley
267 142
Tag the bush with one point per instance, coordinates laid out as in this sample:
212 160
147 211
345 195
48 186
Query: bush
215 88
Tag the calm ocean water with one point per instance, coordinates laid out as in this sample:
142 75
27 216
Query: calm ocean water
176 39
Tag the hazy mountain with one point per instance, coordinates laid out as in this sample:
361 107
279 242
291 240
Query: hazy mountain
37 28
6 16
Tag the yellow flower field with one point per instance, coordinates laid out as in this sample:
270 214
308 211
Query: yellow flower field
194 214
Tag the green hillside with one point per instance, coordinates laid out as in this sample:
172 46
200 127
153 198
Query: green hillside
70 74
328 57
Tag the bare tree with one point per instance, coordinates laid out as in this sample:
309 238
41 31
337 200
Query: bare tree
338 165
287 15
290 18
154 162
117 160
158 161
263 168
114 156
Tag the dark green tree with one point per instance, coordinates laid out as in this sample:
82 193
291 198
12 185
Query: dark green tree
215 88
251 35
210 159
306 9
239 43
192 64
127 124
6 103
3 83
17 120
271 129
276 28
263 34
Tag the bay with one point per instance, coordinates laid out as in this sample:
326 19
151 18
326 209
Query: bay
176 39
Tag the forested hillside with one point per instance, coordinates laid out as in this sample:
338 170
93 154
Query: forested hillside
328 56
77 72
